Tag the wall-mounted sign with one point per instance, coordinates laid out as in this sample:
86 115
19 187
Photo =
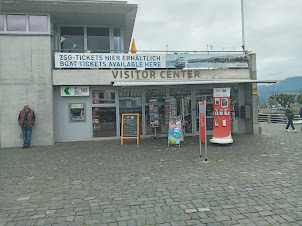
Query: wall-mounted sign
107 60
254 86
67 91
113 60
221 92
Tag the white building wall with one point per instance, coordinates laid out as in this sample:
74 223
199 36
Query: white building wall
25 77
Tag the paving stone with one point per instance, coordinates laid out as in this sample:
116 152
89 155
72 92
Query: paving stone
70 218
37 216
108 220
222 218
245 188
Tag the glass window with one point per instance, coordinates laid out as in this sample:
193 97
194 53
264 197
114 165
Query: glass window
117 40
16 22
74 38
131 102
1 22
104 121
38 23
98 39
103 96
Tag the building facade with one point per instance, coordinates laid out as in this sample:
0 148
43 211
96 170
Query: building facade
66 59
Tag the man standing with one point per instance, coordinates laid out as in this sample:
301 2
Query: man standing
289 112
26 121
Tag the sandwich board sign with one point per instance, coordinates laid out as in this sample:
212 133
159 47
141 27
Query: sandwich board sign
130 127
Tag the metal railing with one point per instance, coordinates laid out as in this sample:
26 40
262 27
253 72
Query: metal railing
148 51
276 118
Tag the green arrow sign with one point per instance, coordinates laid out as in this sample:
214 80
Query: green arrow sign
67 91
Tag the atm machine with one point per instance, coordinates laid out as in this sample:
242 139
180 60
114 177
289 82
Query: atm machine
77 113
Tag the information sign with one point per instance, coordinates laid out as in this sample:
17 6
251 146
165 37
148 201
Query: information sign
74 91
130 127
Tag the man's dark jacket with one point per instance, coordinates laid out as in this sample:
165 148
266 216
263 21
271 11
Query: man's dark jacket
30 117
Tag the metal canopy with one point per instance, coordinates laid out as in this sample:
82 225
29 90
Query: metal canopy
174 83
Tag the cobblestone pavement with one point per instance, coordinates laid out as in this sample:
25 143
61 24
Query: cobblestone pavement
255 181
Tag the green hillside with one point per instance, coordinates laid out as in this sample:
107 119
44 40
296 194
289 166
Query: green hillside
292 85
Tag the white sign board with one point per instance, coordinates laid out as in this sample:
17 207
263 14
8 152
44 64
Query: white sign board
222 92
107 60
67 91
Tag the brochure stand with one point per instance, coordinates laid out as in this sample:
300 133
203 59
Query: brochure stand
154 115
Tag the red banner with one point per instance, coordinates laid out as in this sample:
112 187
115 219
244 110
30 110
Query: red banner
202 125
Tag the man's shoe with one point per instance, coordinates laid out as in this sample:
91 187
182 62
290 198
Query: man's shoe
295 130
286 130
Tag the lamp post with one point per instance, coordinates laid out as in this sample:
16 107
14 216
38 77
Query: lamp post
242 21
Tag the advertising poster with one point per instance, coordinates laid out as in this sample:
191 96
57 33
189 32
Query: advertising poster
206 60
174 130
115 60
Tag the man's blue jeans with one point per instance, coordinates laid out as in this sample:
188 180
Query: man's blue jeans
290 123
26 132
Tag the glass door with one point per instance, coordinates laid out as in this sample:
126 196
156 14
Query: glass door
207 95
130 101
104 121
104 113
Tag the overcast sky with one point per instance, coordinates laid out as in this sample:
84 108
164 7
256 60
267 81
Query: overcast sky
273 30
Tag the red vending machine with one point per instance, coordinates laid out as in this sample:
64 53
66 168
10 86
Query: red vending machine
222 117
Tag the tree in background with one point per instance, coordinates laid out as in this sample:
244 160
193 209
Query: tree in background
299 98
284 99
270 102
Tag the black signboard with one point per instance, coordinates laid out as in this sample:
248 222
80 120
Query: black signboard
130 127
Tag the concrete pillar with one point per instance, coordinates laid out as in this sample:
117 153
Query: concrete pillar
252 99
